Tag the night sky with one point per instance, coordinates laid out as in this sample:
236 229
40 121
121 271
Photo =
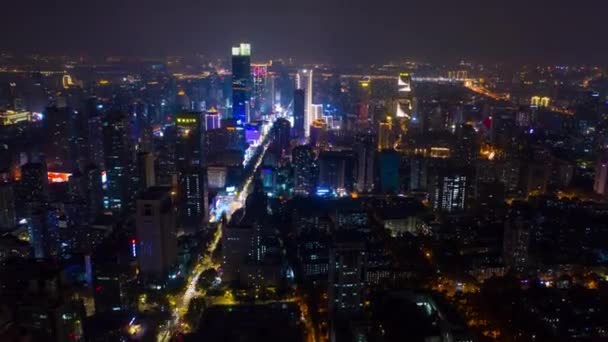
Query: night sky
353 31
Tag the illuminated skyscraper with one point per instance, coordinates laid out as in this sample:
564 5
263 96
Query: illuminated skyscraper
241 82
303 159
212 119
259 73
365 93
384 134
318 134
405 101
304 81
448 190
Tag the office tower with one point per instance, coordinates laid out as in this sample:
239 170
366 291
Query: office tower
299 110
318 134
347 260
600 184
108 292
448 189
93 191
156 232
385 134
365 93
96 154
145 170
317 112
388 171
405 101
34 183
241 82
212 119
281 137
259 74
118 162
332 170
365 152
304 169
188 143
58 138
516 243
193 199
7 207
304 81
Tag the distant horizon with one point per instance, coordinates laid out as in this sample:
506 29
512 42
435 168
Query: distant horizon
335 31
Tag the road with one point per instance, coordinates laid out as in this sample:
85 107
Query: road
205 261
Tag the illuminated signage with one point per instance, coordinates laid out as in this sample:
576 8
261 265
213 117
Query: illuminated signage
58 177
186 120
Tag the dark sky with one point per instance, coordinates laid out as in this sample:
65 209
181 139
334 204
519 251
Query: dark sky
348 31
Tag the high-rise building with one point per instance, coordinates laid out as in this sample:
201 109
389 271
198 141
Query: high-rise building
145 170
347 260
600 185
299 111
281 139
332 170
448 190
193 198
365 93
405 101
318 134
7 207
58 138
304 81
241 82
188 143
385 134
259 74
516 243
388 171
212 119
365 150
304 169
34 183
118 162
156 232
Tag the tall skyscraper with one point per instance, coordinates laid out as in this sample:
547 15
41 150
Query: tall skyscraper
259 73
282 128
365 151
118 162
193 198
304 81
241 82
405 101
299 110
304 170
156 232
